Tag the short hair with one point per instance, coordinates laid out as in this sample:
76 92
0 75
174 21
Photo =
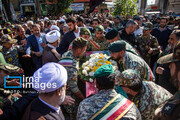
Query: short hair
65 26
177 33
164 18
106 82
96 19
71 20
30 22
130 22
35 25
80 19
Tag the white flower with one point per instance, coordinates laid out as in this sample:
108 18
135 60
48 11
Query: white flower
85 72
90 80
86 68
91 73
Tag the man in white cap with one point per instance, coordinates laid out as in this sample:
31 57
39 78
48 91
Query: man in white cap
50 83
54 27
49 53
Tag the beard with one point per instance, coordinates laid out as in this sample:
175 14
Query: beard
62 97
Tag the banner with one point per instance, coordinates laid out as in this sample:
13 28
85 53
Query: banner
77 6
93 4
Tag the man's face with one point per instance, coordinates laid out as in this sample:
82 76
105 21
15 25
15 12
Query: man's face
172 40
116 55
117 20
36 31
105 24
129 92
21 32
79 23
87 37
71 26
99 34
163 23
174 78
65 30
146 32
132 28
95 23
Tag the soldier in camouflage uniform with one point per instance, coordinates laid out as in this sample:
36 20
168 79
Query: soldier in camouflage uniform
170 109
99 42
6 98
71 60
10 50
107 102
147 44
146 95
113 36
117 25
127 60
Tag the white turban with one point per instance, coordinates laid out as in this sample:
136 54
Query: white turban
46 18
54 27
53 36
49 77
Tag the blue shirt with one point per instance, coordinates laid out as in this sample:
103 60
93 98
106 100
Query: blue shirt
39 41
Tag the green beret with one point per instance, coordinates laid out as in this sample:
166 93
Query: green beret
129 78
100 28
79 42
103 70
118 17
111 34
85 31
117 46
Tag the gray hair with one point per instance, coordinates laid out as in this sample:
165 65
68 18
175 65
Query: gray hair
130 22
177 34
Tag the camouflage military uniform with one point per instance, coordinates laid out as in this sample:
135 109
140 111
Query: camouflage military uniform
71 63
6 99
131 61
95 103
117 26
11 55
149 98
102 44
144 45
130 48
169 110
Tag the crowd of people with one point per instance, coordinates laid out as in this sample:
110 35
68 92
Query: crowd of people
52 49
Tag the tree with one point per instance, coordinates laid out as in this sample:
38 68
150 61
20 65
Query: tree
125 7
59 8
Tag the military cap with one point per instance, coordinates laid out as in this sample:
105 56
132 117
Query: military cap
117 46
129 78
148 26
7 67
85 31
111 34
80 42
136 18
173 57
103 71
7 39
99 28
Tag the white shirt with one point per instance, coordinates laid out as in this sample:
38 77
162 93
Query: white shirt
77 34
51 46
52 107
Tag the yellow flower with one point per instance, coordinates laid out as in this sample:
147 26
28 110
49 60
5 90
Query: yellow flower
100 61
95 68
101 56
99 65
108 62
